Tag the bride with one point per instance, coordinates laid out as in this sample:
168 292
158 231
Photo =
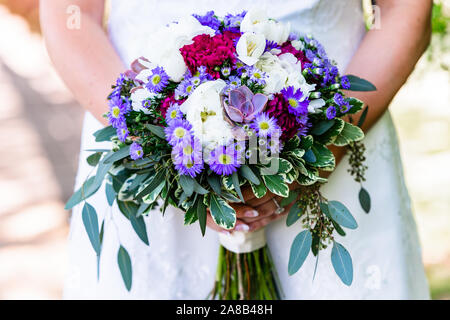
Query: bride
179 263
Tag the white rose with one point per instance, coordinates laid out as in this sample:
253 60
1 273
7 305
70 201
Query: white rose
256 21
139 95
295 77
163 46
203 109
250 47
276 75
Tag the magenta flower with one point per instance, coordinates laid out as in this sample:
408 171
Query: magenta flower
243 106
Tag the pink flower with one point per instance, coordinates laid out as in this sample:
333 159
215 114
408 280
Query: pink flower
210 52
167 103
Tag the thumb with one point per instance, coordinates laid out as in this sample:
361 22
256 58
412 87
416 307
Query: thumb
244 211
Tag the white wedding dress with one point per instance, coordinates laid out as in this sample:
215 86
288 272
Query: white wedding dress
180 264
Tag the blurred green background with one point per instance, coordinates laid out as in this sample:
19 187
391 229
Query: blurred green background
44 122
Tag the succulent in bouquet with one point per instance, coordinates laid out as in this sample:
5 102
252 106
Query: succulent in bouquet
218 105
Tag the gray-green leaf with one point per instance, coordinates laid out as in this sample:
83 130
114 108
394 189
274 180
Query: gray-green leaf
342 263
294 214
124 261
138 225
90 221
364 199
299 251
339 213
187 184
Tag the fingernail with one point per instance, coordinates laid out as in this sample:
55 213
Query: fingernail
251 214
242 227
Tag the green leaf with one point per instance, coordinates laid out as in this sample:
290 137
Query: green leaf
214 182
259 190
356 105
363 116
110 193
342 263
294 214
138 225
292 144
118 155
156 130
310 156
338 228
187 184
358 84
94 159
315 244
119 179
90 221
105 134
124 261
364 199
276 185
329 136
248 174
293 194
142 208
128 208
85 191
201 214
199 189
349 133
154 183
299 251
339 213
322 127
237 187
191 216
153 195
324 157
223 215
306 142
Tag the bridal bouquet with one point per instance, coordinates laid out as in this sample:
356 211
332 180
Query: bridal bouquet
222 104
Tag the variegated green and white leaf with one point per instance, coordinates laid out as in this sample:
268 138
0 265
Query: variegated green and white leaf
152 196
276 185
349 133
259 190
222 213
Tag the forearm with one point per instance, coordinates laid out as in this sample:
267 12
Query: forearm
387 56
84 57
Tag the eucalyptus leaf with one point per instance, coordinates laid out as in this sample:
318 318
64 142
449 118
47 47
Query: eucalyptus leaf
156 130
294 214
94 159
339 213
293 194
124 261
237 187
118 155
201 214
85 191
90 222
299 251
364 199
358 84
110 194
128 208
155 182
105 134
138 225
342 263
214 182
187 184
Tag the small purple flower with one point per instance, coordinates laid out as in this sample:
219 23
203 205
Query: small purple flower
136 151
265 126
184 89
293 36
271 45
224 160
117 111
303 125
331 112
178 131
158 80
255 75
122 132
187 157
225 71
343 105
233 22
209 20
173 113
298 103
345 83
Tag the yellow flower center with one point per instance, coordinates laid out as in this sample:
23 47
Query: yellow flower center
189 164
180 132
188 150
224 159
293 103
156 79
116 112
251 46
257 75
173 114
264 125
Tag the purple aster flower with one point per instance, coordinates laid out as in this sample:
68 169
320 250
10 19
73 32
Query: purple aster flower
298 103
136 151
225 71
173 113
223 160
178 131
158 80
255 75
233 22
265 126
293 36
271 45
187 157
209 20
122 132
184 89
338 99
345 83
303 125
331 112
117 111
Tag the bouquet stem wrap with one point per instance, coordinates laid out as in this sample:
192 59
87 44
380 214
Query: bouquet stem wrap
245 269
